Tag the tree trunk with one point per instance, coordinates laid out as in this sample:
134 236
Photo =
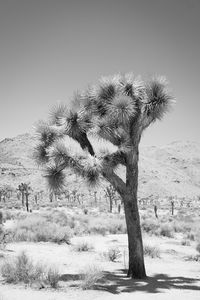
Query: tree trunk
27 208
111 204
135 244
172 204
128 193
136 258
155 211
22 198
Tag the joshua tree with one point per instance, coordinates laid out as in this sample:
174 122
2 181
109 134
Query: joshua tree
100 131
25 189
22 191
110 194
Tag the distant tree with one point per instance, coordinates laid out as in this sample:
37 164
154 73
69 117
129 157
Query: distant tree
156 210
116 110
25 190
110 193
1 218
22 192
6 192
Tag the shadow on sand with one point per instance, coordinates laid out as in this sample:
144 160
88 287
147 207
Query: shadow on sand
118 282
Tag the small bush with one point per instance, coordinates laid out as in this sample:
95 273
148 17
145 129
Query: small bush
191 236
3 237
166 231
22 269
85 211
83 247
151 251
198 247
185 243
53 277
8 271
150 226
193 257
90 277
36 229
113 254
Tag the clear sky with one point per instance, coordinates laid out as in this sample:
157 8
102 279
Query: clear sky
49 49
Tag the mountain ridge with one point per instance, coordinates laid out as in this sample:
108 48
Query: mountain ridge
173 169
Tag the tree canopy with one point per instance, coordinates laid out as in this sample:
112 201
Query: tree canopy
93 134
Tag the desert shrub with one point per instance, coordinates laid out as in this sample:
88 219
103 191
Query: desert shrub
193 257
7 215
3 237
83 246
8 271
58 217
98 229
151 251
177 227
184 223
22 269
85 211
90 276
150 226
53 277
185 242
104 224
112 254
117 226
36 229
166 230
198 247
10 214
190 236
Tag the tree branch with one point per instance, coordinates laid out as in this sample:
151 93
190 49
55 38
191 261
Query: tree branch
85 143
114 159
116 182
159 101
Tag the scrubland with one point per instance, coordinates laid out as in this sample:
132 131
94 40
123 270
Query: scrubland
66 253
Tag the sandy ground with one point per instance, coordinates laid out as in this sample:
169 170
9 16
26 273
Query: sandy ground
168 276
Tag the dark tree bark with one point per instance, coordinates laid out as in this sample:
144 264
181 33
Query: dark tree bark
27 204
136 258
111 204
172 204
22 198
155 211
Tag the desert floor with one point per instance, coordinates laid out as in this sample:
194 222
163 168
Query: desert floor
170 276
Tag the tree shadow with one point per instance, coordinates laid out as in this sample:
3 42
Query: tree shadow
70 277
117 283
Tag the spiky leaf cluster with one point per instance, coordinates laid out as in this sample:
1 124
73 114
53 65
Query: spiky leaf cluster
110 113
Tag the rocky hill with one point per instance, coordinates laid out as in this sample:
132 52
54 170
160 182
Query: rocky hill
169 170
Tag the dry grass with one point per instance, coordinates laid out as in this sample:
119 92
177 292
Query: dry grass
83 246
53 277
22 269
91 275
151 251
113 254
185 242
35 229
